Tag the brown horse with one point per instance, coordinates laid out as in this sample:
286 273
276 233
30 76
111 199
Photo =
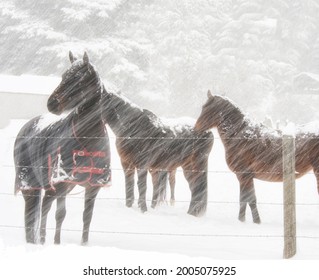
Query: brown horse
143 142
253 150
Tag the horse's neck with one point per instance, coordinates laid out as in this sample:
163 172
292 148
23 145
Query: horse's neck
88 117
87 122
231 123
120 114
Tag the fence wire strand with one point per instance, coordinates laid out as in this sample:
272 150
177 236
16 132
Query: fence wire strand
254 137
175 234
75 196
165 170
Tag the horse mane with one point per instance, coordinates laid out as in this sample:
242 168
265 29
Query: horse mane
230 108
149 120
241 123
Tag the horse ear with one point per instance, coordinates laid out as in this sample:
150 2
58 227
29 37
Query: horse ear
86 58
71 57
209 94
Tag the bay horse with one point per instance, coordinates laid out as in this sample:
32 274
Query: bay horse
56 156
143 142
254 150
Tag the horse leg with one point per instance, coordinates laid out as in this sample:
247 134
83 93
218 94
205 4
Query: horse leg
197 178
141 183
317 178
31 214
129 183
47 201
159 187
253 206
155 181
197 181
90 196
199 195
315 167
172 182
60 213
247 195
242 207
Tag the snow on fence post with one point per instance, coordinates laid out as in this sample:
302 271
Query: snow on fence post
288 150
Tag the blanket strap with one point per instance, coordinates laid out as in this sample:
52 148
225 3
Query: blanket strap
85 153
88 169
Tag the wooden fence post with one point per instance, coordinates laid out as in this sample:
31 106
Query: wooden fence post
288 149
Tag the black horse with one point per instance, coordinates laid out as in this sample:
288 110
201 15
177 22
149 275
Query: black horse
55 157
143 142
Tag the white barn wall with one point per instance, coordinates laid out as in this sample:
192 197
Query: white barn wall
24 97
21 106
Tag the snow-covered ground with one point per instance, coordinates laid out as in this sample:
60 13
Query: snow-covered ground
167 234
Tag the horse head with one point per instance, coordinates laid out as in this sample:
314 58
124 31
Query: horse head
210 115
78 84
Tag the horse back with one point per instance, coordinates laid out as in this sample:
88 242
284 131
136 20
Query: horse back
166 150
261 156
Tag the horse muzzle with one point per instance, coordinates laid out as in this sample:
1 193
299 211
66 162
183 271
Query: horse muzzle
54 106
198 127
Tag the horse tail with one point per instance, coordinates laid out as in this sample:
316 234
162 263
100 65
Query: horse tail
19 147
163 178
16 186
32 212
23 158
27 180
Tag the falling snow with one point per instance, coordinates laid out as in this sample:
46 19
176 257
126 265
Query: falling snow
164 56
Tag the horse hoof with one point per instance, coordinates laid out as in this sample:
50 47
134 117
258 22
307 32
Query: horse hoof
257 221
143 208
154 204
42 240
31 240
84 243
242 219
57 242
193 213
129 203
196 211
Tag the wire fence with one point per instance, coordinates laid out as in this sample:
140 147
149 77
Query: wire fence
75 196
168 170
172 138
172 234
176 234
263 138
